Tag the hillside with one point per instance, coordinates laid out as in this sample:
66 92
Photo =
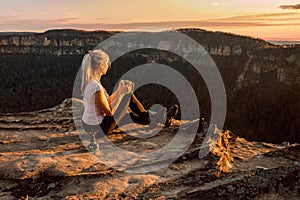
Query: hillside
262 80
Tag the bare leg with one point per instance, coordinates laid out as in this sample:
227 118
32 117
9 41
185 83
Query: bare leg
136 106
138 115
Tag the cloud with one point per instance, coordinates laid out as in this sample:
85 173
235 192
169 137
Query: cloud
168 24
63 20
292 7
200 24
218 3
261 20
10 20
42 26
264 17
19 24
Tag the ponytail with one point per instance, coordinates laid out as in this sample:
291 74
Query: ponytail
90 63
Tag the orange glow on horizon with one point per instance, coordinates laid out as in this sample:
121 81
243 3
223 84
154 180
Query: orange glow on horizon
267 20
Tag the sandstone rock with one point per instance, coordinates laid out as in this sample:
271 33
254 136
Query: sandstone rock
61 168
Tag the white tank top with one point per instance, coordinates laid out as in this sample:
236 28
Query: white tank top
92 114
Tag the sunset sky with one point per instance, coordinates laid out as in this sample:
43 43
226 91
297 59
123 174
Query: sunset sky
266 19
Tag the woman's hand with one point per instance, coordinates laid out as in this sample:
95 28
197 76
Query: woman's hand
125 87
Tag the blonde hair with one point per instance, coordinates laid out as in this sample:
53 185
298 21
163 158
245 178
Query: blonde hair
91 62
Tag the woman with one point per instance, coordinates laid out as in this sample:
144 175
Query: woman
102 110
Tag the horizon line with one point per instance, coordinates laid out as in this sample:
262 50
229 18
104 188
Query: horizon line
289 39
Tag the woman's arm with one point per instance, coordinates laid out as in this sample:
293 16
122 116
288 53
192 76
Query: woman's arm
110 106
114 95
124 87
101 101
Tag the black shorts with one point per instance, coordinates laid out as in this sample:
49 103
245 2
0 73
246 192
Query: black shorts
106 126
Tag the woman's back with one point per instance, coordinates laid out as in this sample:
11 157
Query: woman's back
92 114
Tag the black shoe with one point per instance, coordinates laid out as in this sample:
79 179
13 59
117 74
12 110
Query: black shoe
172 112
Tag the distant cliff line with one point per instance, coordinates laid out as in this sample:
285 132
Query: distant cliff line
76 42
